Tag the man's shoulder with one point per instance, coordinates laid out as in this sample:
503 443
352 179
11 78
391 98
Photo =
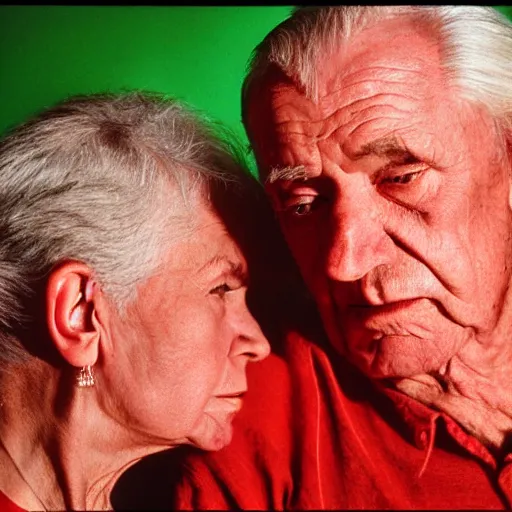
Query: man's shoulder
275 379
284 392
277 415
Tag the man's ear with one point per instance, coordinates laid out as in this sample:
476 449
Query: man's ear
71 301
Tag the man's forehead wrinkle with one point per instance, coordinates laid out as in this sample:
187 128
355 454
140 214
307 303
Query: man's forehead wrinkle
309 118
374 69
354 116
372 76
371 82
356 92
293 120
418 69
387 124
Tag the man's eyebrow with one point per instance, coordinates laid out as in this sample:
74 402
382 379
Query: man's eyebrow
389 147
287 174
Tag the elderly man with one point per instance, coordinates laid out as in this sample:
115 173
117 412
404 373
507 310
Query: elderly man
383 136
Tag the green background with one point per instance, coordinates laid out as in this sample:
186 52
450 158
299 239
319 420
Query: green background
197 54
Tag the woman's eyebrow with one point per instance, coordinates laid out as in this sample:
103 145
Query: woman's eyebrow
236 269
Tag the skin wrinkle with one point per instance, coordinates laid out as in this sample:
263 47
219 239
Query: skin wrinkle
334 117
360 120
332 98
432 269
385 146
361 126
339 130
365 243
374 96
184 264
396 235
385 75
433 393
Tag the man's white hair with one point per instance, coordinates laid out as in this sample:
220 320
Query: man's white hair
475 44
105 180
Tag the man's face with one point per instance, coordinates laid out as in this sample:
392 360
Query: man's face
174 368
399 217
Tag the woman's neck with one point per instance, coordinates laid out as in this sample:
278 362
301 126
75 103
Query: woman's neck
57 450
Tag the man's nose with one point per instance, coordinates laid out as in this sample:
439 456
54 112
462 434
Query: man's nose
356 241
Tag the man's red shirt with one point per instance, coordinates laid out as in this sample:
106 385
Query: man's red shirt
315 434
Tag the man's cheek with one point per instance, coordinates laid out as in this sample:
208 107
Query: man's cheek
416 336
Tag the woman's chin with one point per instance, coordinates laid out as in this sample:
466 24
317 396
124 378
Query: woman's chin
213 435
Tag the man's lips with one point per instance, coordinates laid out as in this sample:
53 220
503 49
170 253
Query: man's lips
394 318
390 307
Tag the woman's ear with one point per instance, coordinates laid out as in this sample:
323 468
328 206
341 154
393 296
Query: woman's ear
71 313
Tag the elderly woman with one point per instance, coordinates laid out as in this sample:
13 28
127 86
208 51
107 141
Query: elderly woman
124 328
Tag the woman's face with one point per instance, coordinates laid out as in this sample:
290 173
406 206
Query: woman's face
174 366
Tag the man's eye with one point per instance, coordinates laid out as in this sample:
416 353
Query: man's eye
411 189
221 290
299 206
302 209
402 179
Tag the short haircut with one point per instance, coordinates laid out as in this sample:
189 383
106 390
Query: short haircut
103 179
475 44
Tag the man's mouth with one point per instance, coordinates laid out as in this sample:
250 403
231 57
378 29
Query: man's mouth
387 308
397 318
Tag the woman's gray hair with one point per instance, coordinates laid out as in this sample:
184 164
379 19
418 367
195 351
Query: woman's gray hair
475 45
105 180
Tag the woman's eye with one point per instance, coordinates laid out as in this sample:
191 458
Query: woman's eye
221 290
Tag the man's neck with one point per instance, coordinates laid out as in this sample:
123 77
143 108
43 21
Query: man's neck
478 399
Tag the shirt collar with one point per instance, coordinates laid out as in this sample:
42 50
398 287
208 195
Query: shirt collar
421 424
